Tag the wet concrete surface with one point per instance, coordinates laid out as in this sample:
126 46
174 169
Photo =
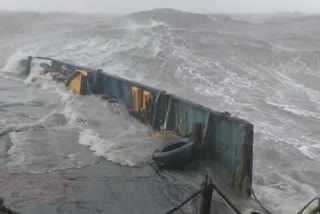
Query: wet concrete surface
100 188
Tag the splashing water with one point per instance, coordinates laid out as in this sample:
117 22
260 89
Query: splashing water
221 61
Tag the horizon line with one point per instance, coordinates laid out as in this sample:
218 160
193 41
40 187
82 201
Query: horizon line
199 11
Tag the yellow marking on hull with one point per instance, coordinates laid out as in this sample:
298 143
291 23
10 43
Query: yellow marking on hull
75 84
146 100
137 98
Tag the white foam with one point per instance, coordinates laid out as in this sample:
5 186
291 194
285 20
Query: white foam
69 102
284 194
134 26
36 77
19 156
12 63
294 109
26 156
127 149
311 151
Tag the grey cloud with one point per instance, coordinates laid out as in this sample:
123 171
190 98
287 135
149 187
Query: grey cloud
116 6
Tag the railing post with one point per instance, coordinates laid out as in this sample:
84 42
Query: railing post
206 195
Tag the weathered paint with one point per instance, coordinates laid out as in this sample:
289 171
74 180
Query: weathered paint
77 81
75 84
226 140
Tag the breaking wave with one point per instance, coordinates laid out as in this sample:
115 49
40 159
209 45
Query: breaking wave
228 63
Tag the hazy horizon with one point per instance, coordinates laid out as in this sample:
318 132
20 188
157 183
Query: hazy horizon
150 9
202 6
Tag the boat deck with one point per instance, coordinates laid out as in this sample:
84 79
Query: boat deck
101 188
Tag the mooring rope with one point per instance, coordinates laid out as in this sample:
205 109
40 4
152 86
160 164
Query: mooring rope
192 196
260 204
308 204
315 210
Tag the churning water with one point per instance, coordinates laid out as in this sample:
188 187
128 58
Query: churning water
263 69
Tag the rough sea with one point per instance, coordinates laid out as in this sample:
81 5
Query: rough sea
265 69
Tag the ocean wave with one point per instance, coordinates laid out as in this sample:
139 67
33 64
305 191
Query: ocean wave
295 110
28 155
131 148
282 186
221 61
13 63
311 151
173 18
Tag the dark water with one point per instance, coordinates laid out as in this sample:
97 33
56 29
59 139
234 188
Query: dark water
262 68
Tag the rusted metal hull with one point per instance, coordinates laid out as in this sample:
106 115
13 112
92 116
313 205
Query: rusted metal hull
225 140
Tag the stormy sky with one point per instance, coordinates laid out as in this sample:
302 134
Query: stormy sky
124 6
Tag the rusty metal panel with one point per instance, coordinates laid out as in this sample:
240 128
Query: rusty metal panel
127 95
227 140
160 109
181 116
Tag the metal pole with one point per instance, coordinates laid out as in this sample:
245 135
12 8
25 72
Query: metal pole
206 195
